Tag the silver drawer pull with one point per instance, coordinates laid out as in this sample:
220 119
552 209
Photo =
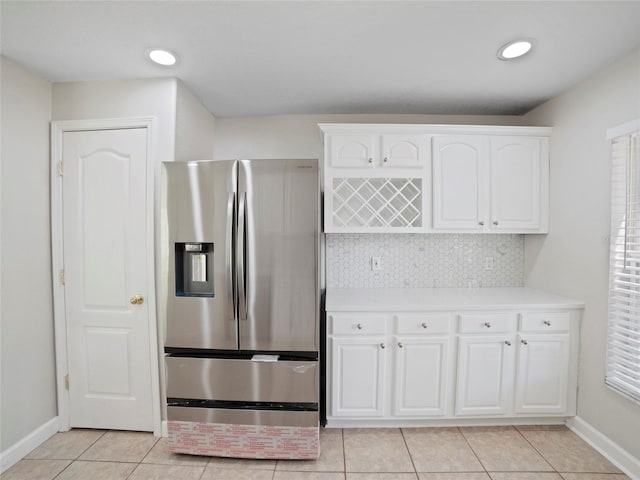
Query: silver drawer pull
547 323
481 223
400 345
359 326
487 324
524 342
370 160
423 325
382 345
507 343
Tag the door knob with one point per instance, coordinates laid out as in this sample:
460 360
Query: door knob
136 300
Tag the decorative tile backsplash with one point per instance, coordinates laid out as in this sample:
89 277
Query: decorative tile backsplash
424 260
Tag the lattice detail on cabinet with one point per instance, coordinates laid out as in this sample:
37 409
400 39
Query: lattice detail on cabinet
377 202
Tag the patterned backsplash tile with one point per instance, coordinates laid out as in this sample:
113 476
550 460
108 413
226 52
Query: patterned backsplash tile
424 260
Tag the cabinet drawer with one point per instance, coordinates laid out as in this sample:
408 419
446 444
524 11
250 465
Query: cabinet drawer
423 324
488 322
343 324
544 322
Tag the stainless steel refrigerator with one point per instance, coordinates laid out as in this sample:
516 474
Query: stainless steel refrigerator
240 246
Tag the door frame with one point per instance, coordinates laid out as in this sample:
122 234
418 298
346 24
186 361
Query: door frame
58 128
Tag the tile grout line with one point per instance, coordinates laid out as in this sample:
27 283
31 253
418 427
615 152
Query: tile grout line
474 452
344 456
406 445
538 451
74 460
145 456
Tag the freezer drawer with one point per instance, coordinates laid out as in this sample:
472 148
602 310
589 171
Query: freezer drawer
242 380
270 418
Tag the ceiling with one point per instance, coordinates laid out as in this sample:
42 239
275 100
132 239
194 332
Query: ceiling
246 58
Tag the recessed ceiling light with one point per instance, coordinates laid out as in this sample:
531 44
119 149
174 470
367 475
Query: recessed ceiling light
161 56
514 49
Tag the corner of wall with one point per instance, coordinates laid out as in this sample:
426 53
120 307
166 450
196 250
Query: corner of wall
573 258
195 127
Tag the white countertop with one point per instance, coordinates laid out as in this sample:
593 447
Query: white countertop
424 299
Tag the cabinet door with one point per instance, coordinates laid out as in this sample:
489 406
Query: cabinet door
404 151
485 374
358 374
542 373
357 150
421 376
459 186
515 183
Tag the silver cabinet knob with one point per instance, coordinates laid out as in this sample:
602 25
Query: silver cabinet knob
481 223
423 325
495 222
547 323
382 345
487 324
507 343
400 345
524 342
370 160
385 159
359 326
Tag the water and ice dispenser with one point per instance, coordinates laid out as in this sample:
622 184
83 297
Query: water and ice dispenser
194 269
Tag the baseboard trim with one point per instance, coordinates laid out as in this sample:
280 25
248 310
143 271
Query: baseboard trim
337 422
24 446
603 444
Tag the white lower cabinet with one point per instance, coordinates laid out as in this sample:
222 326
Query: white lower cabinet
385 368
543 373
414 349
358 376
485 374
420 376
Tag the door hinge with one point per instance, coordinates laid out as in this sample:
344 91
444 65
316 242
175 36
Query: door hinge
66 382
60 169
61 276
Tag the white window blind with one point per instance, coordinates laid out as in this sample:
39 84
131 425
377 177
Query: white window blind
623 333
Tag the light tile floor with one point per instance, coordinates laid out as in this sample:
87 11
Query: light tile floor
470 453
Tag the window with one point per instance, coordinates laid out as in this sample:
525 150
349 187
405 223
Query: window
623 333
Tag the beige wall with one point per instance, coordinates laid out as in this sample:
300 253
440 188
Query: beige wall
573 258
27 377
194 127
298 136
121 99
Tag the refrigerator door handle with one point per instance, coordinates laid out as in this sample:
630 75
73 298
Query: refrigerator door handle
240 257
229 256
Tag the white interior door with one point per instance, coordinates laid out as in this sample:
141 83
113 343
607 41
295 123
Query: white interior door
105 262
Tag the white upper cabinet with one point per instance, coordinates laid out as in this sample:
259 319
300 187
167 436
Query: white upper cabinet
404 151
517 193
352 151
459 189
375 181
377 150
496 184
435 178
